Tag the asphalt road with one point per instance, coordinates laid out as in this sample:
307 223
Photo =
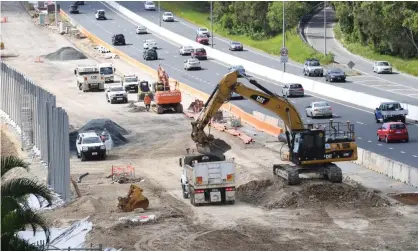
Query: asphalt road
206 79
396 86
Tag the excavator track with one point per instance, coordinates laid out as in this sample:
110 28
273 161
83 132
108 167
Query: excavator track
334 173
287 172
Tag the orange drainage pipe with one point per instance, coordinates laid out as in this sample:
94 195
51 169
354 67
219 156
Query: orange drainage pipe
247 118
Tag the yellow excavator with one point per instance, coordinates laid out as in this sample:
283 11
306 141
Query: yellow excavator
312 148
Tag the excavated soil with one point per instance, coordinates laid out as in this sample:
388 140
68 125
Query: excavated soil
275 194
8 147
64 54
134 108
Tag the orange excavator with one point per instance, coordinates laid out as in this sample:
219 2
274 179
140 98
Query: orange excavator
165 97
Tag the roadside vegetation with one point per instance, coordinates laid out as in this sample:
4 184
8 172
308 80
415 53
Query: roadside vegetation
380 31
256 24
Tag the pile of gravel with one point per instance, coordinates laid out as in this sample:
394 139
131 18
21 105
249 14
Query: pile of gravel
64 54
98 125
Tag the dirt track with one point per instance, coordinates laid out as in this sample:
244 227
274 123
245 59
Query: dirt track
361 220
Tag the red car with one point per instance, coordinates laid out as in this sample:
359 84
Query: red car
199 53
202 39
393 131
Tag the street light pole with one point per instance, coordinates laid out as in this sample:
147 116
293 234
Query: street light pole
211 22
325 29
159 11
284 35
56 14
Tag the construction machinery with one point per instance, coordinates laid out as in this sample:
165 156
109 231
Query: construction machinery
133 200
143 89
165 97
312 148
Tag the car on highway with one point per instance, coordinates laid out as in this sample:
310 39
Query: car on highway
150 43
382 67
199 53
192 63
312 67
238 68
100 15
319 109
79 3
203 31
116 94
293 90
390 111
149 5
186 50
168 17
150 54
140 29
393 131
130 83
335 74
74 9
235 46
202 39
118 39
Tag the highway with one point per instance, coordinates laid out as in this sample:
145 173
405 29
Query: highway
396 86
403 87
206 79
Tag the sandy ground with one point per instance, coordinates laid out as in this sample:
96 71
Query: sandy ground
268 215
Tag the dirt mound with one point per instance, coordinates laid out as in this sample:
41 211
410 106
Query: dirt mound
135 108
64 54
275 194
98 125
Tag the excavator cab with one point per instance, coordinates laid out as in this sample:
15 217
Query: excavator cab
307 145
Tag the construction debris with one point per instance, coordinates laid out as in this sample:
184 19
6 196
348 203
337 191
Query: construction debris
82 176
65 53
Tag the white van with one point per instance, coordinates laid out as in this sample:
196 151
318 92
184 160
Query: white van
107 71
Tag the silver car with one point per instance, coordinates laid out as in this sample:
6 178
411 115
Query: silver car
235 46
192 63
292 90
141 29
186 50
382 67
319 109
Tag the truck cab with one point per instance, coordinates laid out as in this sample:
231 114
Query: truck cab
390 111
89 78
130 83
208 179
107 71
89 144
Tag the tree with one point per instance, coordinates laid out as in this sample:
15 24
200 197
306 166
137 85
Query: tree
15 211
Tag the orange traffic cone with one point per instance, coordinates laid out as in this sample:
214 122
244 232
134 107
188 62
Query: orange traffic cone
4 20
38 60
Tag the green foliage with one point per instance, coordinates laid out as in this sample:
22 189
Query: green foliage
15 212
255 24
387 28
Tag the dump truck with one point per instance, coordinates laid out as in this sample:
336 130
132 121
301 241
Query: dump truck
208 179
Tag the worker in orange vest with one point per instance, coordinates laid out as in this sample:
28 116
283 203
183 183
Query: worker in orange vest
147 101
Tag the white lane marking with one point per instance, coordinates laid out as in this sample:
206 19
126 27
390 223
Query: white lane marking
364 81
379 144
369 141
401 89
402 152
217 74
359 138
390 148
379 85
414 156
358 122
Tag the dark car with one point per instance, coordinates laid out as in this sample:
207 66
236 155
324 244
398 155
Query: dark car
74 9
202 39
150 54
79 3
335 74
240 69
235 46
199 53
118 39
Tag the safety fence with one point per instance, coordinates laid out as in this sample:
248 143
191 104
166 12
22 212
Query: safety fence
43 126
42 245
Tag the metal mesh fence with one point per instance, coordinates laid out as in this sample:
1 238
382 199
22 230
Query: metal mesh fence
44 127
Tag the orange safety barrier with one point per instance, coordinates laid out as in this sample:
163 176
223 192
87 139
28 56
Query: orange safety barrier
118 171
218 127
247 118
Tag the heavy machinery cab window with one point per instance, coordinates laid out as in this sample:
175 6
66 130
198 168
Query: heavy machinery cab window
144 86
91 140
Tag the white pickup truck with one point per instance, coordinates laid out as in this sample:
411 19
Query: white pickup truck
208 179
89 78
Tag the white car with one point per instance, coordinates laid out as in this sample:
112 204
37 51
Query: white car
100 15
186 50
130 83
150 43
192 63
89 144
149 5
319 109
201 31
382 67
168 17
141 30
116 94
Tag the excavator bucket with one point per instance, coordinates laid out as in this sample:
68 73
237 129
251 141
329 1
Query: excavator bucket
196 106
134 200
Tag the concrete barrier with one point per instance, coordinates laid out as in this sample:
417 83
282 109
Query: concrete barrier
238 112
349 96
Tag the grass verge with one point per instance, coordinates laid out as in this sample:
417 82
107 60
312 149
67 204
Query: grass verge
298 50
409 66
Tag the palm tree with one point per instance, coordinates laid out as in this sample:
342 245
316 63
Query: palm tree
15 211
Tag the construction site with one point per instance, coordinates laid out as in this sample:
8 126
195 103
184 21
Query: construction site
267 214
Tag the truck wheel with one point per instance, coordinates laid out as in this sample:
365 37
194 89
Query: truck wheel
185 195
79 85
231 202
78 155
192 199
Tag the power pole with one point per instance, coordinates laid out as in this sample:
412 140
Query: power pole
56 14
159 11
325 28
284 35
211 22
